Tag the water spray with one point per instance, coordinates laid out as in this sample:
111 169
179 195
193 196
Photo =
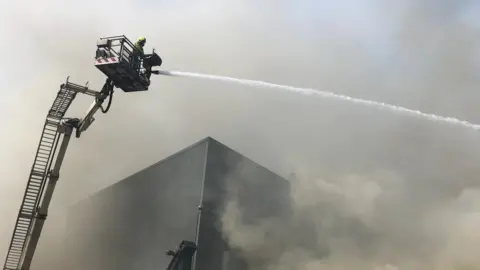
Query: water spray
325 94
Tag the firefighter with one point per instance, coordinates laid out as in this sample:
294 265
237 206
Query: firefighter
139 55
139 46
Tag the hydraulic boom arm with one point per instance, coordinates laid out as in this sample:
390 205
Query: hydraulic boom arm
46 169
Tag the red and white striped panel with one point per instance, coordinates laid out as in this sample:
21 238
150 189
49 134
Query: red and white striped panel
107 60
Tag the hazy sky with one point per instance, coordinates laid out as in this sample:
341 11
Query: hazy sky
418 54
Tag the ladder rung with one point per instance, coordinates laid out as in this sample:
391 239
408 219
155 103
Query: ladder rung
14 256
49 131
39 169
47 139
38 173
29 203
25 215
17 241
39 165
52 115
45 146
26 222
36 181
31 197
43 157
43 153
22 231
49 134
32 194
16 244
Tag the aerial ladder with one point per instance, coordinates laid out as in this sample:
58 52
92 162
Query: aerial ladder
117 59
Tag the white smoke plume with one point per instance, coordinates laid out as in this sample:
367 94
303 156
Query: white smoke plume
357 222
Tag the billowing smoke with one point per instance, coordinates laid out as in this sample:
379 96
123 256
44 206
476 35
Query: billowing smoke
375 190
395 195
357 221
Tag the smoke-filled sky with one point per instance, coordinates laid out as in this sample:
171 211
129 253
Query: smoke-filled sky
411 185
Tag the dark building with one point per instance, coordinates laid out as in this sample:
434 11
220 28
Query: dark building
130 224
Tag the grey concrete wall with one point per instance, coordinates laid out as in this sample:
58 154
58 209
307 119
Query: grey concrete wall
260 194
129 225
